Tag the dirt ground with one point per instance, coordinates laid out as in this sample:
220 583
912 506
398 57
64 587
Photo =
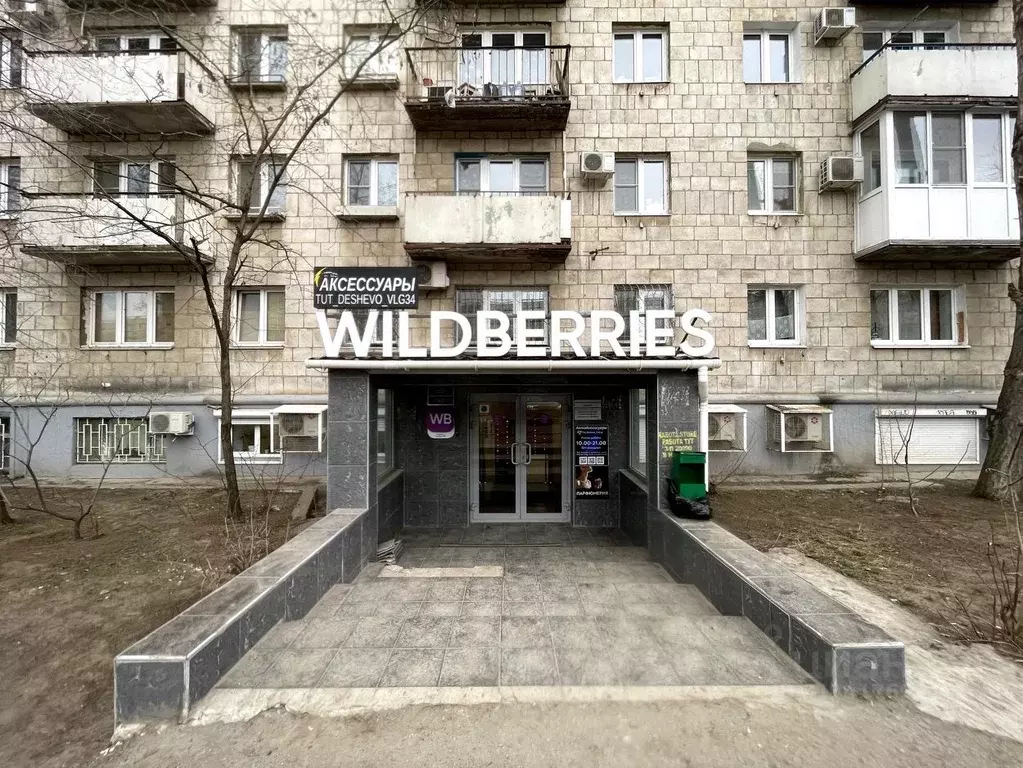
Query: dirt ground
934 562
740 729
68 607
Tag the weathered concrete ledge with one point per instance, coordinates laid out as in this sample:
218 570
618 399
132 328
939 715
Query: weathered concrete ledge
831 642
169 670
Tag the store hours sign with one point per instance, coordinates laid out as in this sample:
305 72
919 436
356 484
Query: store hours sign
592 475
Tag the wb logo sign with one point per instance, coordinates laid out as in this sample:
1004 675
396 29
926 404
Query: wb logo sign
440 422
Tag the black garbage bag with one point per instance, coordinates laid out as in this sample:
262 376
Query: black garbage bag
696 509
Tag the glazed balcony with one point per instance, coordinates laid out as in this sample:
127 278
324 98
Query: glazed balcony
488 227
94 231
516 88
953 74
99 95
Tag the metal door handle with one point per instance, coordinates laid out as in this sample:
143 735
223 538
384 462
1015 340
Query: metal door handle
529 453
515 454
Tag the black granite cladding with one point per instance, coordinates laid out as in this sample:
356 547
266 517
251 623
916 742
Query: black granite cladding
208 638
832 643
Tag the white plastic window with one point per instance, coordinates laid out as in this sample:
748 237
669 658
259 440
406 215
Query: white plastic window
768 56
772 184
640 55
641 186
917 316
372 181
130 318
259 317
775 316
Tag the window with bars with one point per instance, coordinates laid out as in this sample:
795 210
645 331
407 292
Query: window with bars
511 301
134 178
10 187
642 299
117 441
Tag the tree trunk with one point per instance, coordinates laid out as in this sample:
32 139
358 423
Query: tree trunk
234 498
5 511
1004 461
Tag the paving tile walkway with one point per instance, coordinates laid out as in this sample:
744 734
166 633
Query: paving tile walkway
575 607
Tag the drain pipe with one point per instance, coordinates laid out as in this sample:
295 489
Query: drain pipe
703 386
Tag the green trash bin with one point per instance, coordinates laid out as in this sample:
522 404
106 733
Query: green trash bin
688 473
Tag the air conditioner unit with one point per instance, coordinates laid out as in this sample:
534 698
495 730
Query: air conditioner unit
299 432
597 165
171 423
432 275
841 172
804 427
721 426
833 24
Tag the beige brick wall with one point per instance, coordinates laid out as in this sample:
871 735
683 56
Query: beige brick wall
709 248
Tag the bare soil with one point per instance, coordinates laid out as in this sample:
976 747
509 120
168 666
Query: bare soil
934 562
68 607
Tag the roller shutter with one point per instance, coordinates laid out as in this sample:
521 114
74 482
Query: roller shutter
929 440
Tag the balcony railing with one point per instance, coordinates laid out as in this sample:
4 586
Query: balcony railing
91 230
936 74
113 95
488 226
488 88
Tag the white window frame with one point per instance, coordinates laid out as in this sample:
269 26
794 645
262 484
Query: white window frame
639 425
769 161
243 417
951 33
374 182
637 34
516 162
791 33
483 69
770 317
266 176
119 324
969 169
362 42
8 312
266 36
263 316
156 40
894 340
9 192
107 427
12 59
385 431
640 161
863 192
155 164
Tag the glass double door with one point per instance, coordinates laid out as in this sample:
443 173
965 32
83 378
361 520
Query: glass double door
520 458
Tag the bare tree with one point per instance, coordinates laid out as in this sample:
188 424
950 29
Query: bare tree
1003 459
220 232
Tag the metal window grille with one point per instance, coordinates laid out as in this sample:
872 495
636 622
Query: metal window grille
117 441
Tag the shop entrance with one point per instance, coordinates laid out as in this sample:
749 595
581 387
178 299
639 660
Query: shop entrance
520 457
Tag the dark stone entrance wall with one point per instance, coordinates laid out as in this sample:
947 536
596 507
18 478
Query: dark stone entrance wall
436 472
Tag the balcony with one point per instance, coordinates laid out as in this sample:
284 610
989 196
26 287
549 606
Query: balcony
925 74
516 88
488 227
85 230
119 95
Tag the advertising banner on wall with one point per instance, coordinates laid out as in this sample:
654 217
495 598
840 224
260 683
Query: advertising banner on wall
355 288
592 474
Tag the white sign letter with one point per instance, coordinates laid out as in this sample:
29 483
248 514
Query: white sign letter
485 333
405 349
559 337
597 334
464 335
524 334
660 325
689 329
346 326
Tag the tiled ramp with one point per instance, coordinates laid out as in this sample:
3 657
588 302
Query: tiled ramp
573 608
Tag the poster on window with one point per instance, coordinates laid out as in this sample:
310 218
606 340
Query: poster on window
592 478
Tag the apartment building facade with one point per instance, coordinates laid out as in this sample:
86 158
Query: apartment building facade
833 187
